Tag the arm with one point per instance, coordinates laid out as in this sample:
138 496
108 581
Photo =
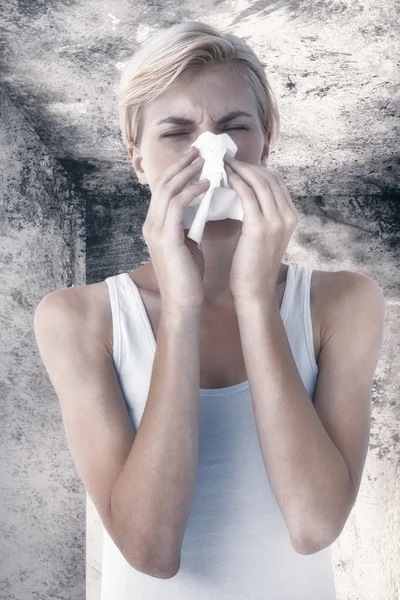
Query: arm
141 484
163 461
314 455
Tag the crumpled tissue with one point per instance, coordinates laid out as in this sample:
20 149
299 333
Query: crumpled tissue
219 201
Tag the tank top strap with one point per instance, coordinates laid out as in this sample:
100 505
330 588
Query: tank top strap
297 294
115 304
297 314
306 314
131 328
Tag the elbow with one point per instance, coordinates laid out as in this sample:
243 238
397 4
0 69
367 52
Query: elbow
320 535
307 547
153 566
155 569
143 558
310 544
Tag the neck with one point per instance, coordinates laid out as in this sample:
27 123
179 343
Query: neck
219 242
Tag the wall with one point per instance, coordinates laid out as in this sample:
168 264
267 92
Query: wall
42 517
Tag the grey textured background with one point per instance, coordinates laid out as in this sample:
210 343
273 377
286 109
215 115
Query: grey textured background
71 213
42 248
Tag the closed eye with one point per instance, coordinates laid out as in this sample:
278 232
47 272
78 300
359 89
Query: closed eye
186 133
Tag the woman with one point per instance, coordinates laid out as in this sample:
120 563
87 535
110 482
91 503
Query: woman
216 403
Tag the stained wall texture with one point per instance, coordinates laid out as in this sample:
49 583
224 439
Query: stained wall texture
334 68
42 535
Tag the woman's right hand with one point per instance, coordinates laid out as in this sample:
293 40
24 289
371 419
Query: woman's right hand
177 262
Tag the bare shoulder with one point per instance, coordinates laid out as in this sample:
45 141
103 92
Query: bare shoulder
337 294
86 307
334 284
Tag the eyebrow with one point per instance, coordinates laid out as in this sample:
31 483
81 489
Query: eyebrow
184 121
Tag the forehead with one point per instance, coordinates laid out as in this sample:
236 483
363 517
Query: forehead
215 90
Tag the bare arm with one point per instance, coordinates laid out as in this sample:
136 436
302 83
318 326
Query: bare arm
314 454
141 484
163 460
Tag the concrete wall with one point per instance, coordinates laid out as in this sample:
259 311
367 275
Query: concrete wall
42 500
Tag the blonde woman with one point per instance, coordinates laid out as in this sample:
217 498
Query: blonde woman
216 403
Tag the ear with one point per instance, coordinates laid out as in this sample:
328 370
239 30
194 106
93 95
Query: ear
265 153
136 160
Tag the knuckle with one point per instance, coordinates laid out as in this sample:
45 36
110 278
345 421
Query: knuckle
265 184
174 201
275 225
258 230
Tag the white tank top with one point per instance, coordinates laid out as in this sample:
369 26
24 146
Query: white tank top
236 544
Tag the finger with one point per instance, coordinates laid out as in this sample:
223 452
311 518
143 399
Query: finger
270 198
250 205
286 194
186 159
261 188
166 190
277 187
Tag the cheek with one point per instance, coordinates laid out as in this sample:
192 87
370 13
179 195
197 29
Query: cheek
166 159
155 164
249 150
155 169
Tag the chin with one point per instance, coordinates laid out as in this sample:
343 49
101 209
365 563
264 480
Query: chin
222 222
226 228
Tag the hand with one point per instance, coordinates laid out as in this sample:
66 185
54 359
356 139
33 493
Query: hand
270 218
177 262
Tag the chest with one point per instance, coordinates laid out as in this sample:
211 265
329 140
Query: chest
221 358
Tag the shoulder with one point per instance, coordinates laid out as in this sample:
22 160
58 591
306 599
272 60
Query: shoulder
83 309
337 284
339 295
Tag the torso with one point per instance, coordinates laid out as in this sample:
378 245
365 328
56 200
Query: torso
221 358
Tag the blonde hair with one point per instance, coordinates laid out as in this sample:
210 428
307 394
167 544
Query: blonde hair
182 50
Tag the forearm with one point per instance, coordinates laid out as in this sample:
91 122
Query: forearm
154 492
304 467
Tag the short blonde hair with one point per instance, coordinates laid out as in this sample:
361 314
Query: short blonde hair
182 50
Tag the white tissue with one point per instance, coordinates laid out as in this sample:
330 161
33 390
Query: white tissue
219 201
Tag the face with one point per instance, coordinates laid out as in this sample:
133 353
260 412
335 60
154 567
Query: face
204 100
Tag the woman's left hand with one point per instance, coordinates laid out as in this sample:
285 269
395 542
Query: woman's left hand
270 218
